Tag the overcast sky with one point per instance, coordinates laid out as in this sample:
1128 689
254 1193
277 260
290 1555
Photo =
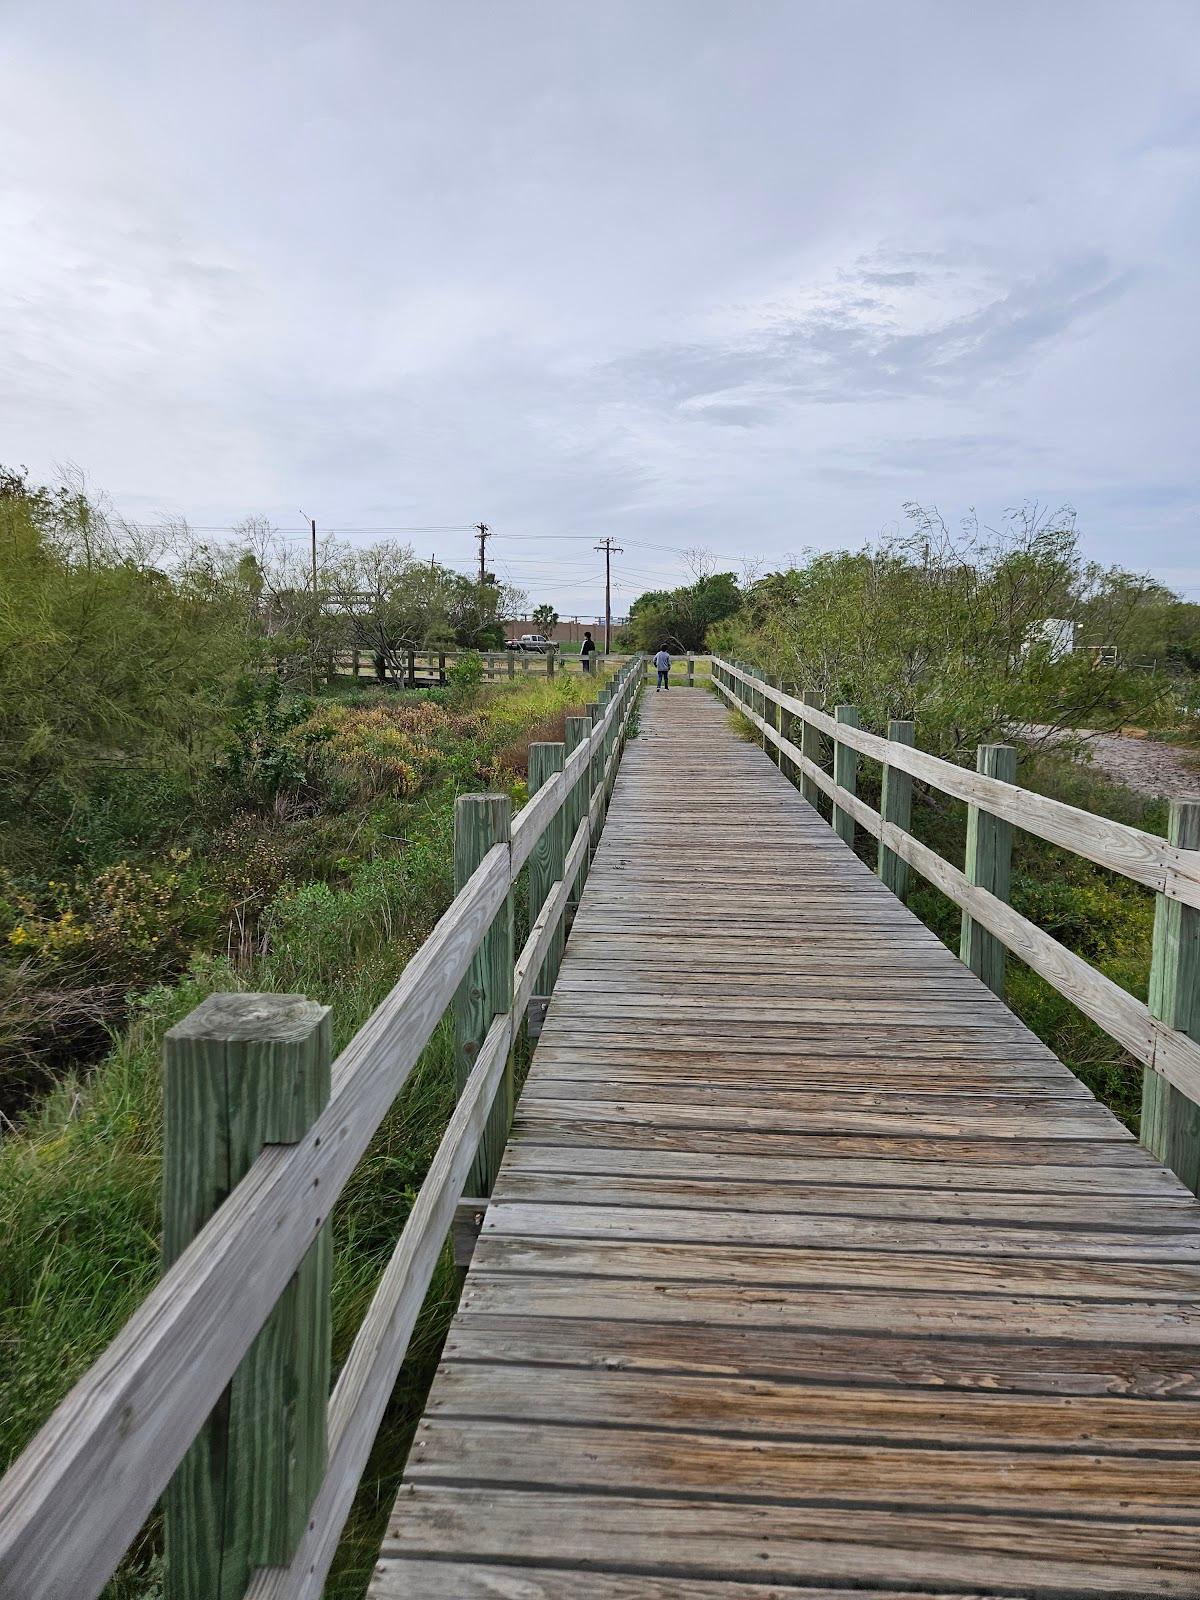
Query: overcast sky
744 274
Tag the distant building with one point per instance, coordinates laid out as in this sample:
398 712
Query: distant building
1057 634
567 630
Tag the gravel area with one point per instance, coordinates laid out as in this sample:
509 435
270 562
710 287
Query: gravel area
1142 764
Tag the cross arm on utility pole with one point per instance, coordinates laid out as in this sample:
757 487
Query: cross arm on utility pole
610 550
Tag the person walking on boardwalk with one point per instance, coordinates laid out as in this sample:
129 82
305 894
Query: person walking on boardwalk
662 665
587 650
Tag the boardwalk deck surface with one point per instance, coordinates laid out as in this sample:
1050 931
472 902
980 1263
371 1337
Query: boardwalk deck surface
810 1271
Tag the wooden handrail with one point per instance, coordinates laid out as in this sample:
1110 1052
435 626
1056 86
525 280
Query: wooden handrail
74 1500
1133 853
1165 1050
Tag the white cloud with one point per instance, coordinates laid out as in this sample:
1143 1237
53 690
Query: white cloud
743 275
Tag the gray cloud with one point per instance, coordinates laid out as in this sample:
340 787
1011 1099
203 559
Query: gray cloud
843 353
689 273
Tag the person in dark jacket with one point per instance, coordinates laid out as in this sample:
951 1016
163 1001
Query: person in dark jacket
587 650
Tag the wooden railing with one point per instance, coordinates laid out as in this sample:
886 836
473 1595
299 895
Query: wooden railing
216 1390
1163 1036
430 669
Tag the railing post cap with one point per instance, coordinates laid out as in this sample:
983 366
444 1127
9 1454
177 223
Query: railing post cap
250 1015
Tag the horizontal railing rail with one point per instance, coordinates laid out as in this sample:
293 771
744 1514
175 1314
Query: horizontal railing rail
431 668
424 669
1159 1036
75 1499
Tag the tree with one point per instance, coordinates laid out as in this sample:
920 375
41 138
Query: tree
681 618
545 618
111 655
949 628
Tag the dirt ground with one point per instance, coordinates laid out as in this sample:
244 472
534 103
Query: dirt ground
1142 764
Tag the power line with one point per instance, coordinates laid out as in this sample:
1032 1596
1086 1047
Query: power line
483 539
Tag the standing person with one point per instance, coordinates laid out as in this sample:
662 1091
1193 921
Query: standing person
587 650
662 665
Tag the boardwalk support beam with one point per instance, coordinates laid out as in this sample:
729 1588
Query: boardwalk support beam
895 806
241 1072
1170 1120
481 822
988 865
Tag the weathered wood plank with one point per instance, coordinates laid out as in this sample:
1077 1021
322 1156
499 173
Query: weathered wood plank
807 1264
697 1537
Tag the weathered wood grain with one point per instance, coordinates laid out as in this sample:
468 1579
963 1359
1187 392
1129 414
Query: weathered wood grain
1141 856
546 862
1165 1050
240 1072
74 1500
481 822
807 1265
895 806
1170 1126
988 866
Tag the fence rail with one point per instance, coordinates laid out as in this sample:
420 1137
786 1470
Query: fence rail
76 1498
1163 1036
428 669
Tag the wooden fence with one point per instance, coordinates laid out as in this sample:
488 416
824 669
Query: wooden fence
429 669
216 1390
1163 1036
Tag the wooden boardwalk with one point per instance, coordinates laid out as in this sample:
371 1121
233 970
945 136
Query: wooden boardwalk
809 1270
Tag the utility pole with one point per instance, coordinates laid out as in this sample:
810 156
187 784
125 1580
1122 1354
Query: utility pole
610 549
316 612
484 530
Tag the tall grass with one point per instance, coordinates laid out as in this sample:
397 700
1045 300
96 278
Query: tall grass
80 1177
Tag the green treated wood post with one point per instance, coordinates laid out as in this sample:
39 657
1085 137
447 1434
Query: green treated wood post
810 746
773 715
845 772
593 778
240 1072
482 821
785 725
988 864
512 663
691 672
577 730
1170 1120
545 869
895 805
610 739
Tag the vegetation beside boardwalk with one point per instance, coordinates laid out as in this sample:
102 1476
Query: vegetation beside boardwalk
961 630
168 836
1101 916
